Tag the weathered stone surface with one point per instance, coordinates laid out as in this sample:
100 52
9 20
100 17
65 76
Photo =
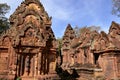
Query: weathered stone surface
28 48
94 51
69 35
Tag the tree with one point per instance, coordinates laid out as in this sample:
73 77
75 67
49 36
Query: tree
4 24
76 30
80 31
59 40
116 7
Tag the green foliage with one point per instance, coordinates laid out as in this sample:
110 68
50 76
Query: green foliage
18 78
116 7
59 40
4 24
59 54
4 8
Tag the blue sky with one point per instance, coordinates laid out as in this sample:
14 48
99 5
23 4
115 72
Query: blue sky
76 12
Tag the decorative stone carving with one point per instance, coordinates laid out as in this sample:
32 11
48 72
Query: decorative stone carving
69 35
29 43
93 50
29 49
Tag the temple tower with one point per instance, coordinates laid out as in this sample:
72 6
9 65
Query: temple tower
69 35
32 50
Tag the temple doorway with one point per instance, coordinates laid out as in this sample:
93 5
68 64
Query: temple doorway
26 64
96 57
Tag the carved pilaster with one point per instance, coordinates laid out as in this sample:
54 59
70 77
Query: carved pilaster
27 65
35 64
39 63
21 67
31 65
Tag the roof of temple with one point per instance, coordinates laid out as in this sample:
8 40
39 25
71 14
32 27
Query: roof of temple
30 14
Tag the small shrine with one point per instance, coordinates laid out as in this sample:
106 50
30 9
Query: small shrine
93 55
28 48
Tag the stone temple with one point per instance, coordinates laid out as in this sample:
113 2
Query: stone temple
30 51
28 48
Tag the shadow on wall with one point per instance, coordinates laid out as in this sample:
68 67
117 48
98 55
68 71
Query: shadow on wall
65 75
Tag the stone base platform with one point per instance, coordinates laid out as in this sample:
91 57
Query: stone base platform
41 77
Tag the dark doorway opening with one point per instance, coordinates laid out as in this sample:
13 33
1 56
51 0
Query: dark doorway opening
96 57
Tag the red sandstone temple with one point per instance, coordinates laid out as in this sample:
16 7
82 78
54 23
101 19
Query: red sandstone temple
93 55
29 51
28 48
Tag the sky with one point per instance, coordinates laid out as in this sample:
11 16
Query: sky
75 12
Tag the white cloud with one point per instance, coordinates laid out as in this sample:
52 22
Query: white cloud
57 9
82 12
62 9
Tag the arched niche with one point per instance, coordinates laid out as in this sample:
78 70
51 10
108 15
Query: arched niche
30 37
6 41
29 32
4 53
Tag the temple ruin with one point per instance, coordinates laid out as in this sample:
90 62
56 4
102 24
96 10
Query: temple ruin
93 55
30 51
28 48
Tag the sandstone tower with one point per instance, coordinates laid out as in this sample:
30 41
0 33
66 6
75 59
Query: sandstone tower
28 49
93 55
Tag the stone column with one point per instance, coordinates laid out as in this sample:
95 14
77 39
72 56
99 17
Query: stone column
46 64
89 56
39 63
24 63
26 66
18 65
21 65
42 63
35 65
14 66
31 65
82 56
52 64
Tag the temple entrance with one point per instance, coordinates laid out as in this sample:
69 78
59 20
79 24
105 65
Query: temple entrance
35 64
96 57
44 63
26 65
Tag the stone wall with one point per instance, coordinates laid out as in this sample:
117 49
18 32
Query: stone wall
96 50
28 48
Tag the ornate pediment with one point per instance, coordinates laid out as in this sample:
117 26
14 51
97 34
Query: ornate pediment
31 23
29 8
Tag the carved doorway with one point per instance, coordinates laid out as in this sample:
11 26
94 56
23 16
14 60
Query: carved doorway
26 65
96 57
